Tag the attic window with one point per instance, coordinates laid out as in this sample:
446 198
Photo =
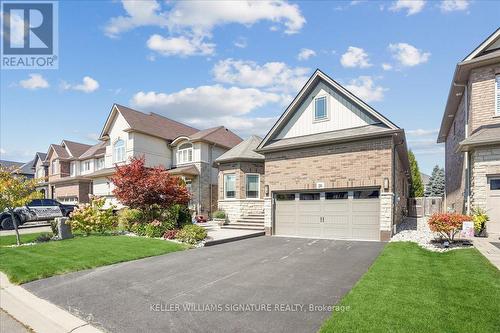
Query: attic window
320 110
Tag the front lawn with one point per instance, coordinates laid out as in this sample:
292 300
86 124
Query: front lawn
409 289
27 263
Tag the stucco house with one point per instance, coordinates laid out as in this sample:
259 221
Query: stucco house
183 150
470 129
64 184
40 168
330 167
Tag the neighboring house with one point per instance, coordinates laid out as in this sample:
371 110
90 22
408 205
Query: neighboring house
64 183
40 168
241 184
425 180
20 168
470 130
183 150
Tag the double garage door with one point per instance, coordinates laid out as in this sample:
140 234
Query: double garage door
349 214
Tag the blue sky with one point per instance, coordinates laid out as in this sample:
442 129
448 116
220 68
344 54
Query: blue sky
239 65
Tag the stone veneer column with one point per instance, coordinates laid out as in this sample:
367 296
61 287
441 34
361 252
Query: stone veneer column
268 210
386 214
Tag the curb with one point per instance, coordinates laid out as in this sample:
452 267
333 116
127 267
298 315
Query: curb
38 314
233 239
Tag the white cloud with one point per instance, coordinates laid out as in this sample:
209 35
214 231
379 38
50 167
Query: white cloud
190 23
355 57
426 147
364 87
88 85
274 76
305 54
201 103
412 6
408 55
36 81
454 5
140 13
201 17
386 67
181 46
16 30
3 151
422 132
241 42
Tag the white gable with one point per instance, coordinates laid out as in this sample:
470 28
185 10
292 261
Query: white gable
342 114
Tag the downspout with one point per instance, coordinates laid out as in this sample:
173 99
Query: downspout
210 178
466 153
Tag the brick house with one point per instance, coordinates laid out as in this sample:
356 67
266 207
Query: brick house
63 184
333 167
40 169
470 129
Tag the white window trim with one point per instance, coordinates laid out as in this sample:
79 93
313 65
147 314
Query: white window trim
124 151
97 166
258 185
72 169
327 117
224 185
180 152
497 92
53 167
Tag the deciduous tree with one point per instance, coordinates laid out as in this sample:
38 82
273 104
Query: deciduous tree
16 191
417 188
148 189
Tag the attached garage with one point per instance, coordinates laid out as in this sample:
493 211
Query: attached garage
332 214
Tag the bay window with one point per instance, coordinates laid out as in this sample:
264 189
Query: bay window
230 186
252 186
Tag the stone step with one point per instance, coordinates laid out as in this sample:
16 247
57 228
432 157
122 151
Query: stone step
251 223
242 226
255 214
251 218
261 221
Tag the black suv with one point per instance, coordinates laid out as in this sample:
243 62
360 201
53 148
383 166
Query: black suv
36 210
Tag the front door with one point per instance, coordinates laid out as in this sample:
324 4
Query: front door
493 204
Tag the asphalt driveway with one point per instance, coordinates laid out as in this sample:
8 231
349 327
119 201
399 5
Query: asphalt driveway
263 284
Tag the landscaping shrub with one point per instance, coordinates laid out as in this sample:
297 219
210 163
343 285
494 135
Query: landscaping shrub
447 224
180 214
219 214
170 234
89 218
127 217
42 238
480 218
191 234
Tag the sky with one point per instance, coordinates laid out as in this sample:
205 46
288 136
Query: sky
239 64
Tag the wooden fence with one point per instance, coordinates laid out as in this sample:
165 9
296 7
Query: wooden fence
425 206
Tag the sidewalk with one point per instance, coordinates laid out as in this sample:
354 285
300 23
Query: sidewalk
490 251
38 314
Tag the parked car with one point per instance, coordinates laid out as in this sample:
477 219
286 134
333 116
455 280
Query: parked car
36 210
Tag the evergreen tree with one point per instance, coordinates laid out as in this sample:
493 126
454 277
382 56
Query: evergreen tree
417 188
435 188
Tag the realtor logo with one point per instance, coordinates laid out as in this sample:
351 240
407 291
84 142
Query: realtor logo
29 35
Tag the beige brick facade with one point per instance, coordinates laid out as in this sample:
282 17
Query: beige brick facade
483 161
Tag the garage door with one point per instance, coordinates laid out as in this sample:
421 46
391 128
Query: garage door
493 204
353 214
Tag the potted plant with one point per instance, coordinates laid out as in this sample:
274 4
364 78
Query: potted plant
219 217
480 218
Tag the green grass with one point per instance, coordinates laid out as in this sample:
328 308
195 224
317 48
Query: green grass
409 289
25 238
28 263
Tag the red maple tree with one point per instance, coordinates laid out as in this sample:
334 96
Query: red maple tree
148 189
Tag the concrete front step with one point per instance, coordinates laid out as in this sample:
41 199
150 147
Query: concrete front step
249 221
242 226
250 224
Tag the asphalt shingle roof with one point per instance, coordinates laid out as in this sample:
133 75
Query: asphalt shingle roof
244 151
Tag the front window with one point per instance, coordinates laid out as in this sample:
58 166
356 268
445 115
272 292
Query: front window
99 163
185 153
119 151
39 173
85 166
53 167
320 111
252 186
229 186
72 169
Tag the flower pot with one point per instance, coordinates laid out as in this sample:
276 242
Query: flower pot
481 233
220 222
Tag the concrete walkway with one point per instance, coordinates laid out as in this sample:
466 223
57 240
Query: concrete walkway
491 252
11 325
216 235
41 316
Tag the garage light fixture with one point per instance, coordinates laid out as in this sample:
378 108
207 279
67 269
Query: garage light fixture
266 190
386 184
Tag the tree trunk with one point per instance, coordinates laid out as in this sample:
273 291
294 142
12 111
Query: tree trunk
14 221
